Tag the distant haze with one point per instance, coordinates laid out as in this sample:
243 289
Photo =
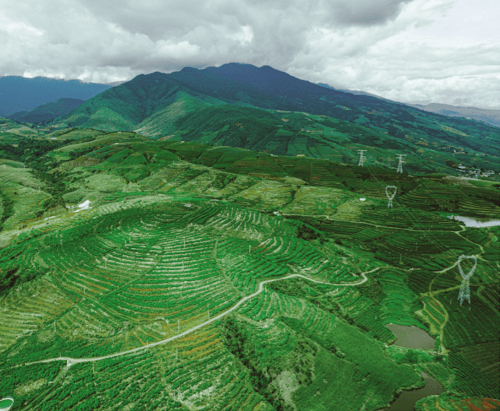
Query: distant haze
21 94
488 116
440 51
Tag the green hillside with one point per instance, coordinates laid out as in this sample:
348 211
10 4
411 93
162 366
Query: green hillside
264 109
10 130
293 133
173 275
48 111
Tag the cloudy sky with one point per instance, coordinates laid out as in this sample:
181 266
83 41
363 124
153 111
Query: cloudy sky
442 51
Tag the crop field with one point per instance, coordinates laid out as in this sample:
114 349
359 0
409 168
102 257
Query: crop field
447 403
177 276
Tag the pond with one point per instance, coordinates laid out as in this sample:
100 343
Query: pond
407 399
411 337
471 222
415 338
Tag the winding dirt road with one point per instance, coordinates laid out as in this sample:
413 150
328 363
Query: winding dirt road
70 361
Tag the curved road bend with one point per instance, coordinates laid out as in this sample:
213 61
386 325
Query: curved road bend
72 361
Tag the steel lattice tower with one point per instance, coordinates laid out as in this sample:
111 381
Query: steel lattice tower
464 293
401 162
362 158
390 196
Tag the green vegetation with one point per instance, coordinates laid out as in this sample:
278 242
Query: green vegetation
456 403
5 403
48 111
112 242
282 115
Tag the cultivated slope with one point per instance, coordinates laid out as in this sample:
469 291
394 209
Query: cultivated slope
140 274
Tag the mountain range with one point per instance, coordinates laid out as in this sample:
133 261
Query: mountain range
241 105
487 115
355 92
206 240
48 111
267 110
25 94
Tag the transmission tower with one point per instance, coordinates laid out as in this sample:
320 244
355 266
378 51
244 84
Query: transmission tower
401 162
390 196
362 158
464 289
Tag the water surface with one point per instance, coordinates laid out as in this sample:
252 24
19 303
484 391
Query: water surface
407 399
414 338
471 222
411 337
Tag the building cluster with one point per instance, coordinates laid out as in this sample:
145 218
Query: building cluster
475 172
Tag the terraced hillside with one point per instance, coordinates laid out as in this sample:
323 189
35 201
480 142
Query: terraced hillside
166 275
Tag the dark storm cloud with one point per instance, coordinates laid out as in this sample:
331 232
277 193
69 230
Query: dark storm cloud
167 35
366 12
375 45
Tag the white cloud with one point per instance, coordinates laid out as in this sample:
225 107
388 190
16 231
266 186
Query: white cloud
183 49
435 50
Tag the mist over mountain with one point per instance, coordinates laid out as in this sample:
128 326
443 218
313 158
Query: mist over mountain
355 92
24 94
488 116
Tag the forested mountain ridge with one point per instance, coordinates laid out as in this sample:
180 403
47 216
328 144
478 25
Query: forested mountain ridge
48 111
24 94
323 123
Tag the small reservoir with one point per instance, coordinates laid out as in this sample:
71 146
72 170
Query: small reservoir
411 337
407 399
471 222
415 338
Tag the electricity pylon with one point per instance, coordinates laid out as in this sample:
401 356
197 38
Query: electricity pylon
362 158
464 289
390 196
401 162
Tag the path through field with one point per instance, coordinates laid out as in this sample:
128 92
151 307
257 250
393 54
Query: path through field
70 361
